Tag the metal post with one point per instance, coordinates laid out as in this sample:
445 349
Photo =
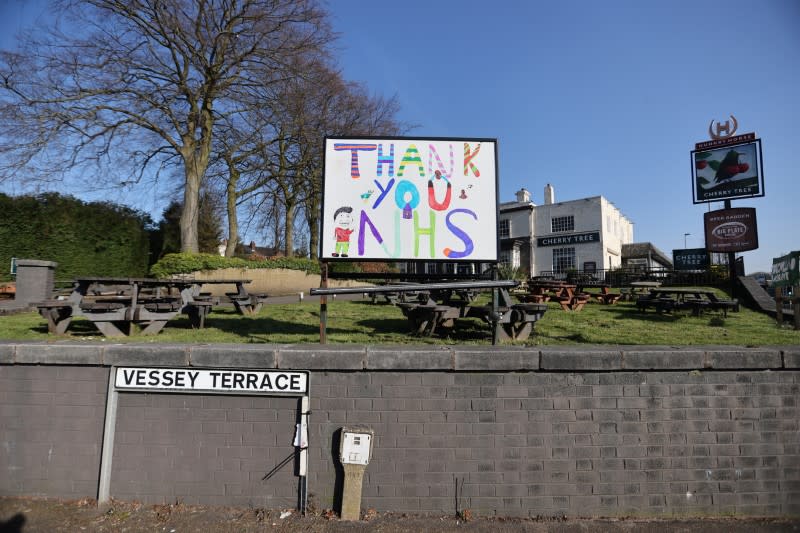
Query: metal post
303 467
495 311
796 306
323 306
731 262
109 427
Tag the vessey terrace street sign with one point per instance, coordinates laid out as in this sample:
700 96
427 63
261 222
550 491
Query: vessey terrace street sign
214 381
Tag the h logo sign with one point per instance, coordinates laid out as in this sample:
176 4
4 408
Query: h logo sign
723 129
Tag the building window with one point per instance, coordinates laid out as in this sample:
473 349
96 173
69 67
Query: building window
504 229
566 223
505 257
563 259
515 258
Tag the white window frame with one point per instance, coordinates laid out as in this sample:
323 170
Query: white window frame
559 257
504 228
562 224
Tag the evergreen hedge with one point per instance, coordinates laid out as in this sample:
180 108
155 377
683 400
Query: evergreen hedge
184 263
85 239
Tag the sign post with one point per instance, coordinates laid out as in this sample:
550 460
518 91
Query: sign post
725 167
785 276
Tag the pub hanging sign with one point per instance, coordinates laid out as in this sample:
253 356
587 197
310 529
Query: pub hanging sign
727 166
731 230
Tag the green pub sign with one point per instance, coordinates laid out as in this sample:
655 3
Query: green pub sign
691 259
786 270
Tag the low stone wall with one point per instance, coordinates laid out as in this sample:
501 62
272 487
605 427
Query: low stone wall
272 281
588 431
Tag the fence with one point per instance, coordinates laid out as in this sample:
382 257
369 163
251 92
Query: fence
624 277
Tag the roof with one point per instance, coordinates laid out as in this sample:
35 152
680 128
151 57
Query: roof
644 249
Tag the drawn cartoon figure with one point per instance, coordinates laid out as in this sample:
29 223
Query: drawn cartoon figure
342 219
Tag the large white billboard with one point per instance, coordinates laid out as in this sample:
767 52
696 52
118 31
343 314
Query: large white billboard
427 199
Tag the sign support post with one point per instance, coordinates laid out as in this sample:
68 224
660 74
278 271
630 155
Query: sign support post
731 262
109 428
323 305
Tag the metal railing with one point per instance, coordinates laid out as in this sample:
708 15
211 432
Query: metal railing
624 277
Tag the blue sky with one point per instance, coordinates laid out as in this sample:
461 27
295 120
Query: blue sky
597 98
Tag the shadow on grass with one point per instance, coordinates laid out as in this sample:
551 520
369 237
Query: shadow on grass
633 314
252 326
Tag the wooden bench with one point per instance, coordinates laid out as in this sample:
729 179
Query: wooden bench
696 305
101 306
609 298
573 303
248 304
162 305
197 311
425 318
516 321
112 317
661 305
58 314
724 305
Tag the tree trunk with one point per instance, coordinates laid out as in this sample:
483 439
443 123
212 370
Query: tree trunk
191 211
233 221
195 154
313 210
288 230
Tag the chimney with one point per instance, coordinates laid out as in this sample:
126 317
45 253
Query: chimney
523 195
549 194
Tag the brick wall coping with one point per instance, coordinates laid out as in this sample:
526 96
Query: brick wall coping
357 357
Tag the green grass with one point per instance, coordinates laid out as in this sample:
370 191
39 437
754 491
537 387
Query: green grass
363 322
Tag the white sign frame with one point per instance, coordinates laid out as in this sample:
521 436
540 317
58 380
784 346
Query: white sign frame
410 199
212 381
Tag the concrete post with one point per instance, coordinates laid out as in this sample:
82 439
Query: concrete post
351 498
35 280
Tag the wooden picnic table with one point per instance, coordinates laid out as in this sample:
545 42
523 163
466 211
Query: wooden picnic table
638 288
510 321
514 321
604 296
667 299
245 303
564 293
114 305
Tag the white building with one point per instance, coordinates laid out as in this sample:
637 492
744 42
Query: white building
584 235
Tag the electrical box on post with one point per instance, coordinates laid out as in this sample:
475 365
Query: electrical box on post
356 447
355 451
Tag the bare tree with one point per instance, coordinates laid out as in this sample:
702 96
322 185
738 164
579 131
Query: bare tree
146 82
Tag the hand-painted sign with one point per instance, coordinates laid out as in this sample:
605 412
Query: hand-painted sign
786 270
567 240
284 383
722 171
731 230
392 199
690 259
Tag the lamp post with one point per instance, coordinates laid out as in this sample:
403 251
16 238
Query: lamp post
684 239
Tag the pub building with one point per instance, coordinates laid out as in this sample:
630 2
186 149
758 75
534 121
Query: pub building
586 235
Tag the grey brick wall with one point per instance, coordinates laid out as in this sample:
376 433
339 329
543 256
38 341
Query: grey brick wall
527 444
520 432
51 429
204 449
